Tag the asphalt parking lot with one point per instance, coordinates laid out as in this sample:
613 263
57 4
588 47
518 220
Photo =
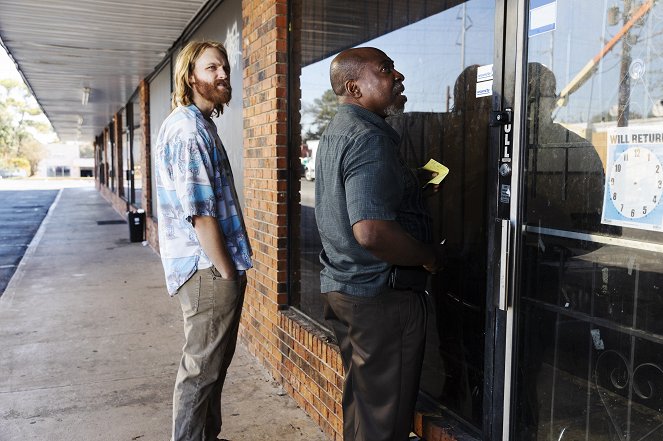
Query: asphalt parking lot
23 205
21 213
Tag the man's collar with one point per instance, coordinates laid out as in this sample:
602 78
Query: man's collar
372 117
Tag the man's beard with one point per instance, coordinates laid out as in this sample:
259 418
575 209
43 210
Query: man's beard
396 108
210 92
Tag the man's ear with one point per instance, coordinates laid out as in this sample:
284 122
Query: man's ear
352 89
192 79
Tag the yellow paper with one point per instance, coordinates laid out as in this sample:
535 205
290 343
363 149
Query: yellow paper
436 167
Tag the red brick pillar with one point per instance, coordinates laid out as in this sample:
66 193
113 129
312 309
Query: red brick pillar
296 352
265 171
145 150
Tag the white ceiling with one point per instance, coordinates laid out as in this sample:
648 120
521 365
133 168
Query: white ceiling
63 46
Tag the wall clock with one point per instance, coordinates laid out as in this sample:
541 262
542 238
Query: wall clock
634 179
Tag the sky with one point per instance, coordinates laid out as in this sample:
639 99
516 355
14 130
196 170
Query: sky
8 71
7 68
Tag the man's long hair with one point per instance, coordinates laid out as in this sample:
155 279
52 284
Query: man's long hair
184 65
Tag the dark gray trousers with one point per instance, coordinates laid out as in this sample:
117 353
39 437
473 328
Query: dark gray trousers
382 345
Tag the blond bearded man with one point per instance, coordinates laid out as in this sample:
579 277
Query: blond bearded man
203 243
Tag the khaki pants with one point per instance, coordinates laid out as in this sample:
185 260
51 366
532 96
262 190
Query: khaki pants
211 307
382 346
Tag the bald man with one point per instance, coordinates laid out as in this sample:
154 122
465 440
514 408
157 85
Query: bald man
377 252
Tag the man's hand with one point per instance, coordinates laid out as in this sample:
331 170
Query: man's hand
213 243
423 176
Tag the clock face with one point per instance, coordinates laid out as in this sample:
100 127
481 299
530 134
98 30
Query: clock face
636 182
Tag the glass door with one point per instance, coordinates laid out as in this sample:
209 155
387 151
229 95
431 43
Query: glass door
465 342
588 351
452 55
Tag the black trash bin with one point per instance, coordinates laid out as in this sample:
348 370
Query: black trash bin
136 225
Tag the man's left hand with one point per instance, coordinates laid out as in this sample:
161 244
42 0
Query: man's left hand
424 176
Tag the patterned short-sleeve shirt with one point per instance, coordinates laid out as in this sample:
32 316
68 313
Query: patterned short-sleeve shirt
194 178
360 175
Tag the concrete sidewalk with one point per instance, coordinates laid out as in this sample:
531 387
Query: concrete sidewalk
90 342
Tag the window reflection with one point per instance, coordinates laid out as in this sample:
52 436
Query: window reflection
137 153
589 348
438 46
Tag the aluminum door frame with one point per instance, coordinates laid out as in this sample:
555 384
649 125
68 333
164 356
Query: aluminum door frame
504 242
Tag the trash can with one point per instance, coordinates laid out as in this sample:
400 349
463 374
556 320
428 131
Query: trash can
136 225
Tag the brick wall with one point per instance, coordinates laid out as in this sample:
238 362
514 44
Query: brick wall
296 352
151 231
118 203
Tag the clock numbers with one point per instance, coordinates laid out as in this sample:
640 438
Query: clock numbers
635 182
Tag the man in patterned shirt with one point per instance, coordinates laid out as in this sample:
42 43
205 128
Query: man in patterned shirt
202 238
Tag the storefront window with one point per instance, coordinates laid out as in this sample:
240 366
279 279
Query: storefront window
590 363
440 49
125 119
137 152
110 149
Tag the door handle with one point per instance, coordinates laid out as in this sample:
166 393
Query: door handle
504 265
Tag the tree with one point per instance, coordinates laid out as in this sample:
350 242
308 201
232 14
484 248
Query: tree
86 151
6 130
19 123
323 110
33 151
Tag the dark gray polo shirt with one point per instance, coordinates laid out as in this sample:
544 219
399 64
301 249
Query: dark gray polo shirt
361 176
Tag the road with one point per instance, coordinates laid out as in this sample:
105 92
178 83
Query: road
23 205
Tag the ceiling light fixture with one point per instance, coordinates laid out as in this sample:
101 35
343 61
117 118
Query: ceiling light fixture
86 96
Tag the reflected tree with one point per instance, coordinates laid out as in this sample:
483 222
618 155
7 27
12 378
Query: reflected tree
322 111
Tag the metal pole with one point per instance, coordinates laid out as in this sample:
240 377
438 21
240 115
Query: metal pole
462 37
625 78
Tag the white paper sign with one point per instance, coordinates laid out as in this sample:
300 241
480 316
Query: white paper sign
484 88
634 179
485 73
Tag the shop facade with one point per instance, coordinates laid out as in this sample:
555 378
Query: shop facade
545 323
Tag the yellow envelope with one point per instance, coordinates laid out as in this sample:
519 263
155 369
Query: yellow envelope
436 167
